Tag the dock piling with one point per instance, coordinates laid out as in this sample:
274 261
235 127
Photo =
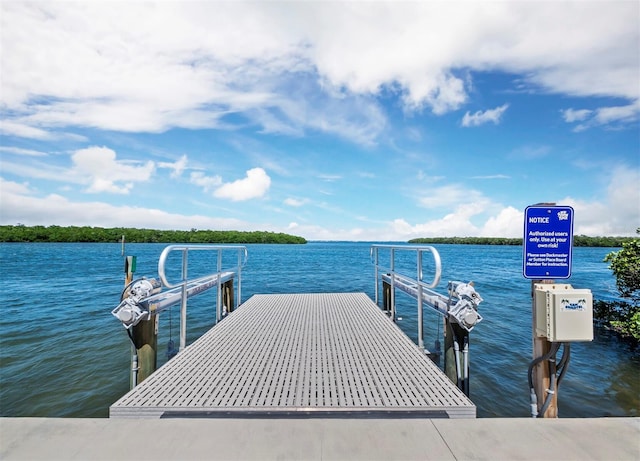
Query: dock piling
543 371
227 297
145 339
456 353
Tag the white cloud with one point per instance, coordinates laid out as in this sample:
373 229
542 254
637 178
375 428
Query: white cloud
206 182
449 196
11 188
177 167
136 76
446 94
530 152
254 185
20 151
509 222
617 213
452 224
330 177
480 118
492 176
294 202
23 130
629 113
20 205
603 116
37 169
573 115
104 173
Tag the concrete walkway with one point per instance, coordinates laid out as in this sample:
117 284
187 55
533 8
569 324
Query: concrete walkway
320 439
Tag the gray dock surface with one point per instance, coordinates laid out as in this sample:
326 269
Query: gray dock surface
327 355
615 439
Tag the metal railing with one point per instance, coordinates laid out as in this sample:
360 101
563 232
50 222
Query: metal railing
396 277
190 287
460 305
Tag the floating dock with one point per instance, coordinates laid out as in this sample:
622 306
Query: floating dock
326 355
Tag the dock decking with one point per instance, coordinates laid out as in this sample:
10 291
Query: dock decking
288 355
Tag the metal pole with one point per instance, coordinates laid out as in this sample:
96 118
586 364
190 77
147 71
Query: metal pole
239 297
219 290
392 296
420 310
128 278
375 269
183 303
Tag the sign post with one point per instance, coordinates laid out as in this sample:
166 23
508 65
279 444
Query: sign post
547 249
548 239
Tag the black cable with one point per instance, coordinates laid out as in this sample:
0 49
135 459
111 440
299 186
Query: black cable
552 351
131 337
552 386
564 362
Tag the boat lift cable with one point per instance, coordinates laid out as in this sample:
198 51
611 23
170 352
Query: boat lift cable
556 374
564 362
552 384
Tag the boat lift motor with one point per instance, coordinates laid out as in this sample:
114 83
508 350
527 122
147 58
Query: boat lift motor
130 311
465 311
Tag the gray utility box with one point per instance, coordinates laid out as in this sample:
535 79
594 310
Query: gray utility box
563 313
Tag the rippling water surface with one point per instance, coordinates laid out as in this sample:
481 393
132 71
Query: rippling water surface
62 353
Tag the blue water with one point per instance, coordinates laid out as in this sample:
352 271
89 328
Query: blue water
63 354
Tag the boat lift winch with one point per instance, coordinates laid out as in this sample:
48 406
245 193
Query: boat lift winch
146 298
459 307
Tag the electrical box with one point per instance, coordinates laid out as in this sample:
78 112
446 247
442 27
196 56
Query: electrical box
563 313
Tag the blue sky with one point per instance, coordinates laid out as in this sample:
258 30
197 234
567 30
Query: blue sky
333 121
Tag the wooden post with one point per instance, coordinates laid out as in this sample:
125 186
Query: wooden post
144 357
542 372
227 295
145 338
386 297
455 368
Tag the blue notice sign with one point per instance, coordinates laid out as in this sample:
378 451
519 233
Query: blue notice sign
548 239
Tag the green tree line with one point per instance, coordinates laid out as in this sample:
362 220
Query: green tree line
21 233
578 241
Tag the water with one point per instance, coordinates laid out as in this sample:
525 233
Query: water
63 354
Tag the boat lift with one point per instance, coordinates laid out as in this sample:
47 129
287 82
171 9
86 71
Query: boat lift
143 300
459 307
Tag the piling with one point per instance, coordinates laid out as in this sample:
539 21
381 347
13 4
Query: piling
543 371
227 296
456 353
388 299
145 339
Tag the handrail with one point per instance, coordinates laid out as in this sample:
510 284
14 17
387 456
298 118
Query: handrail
184 280
393 273
420 250
242 251
463 311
